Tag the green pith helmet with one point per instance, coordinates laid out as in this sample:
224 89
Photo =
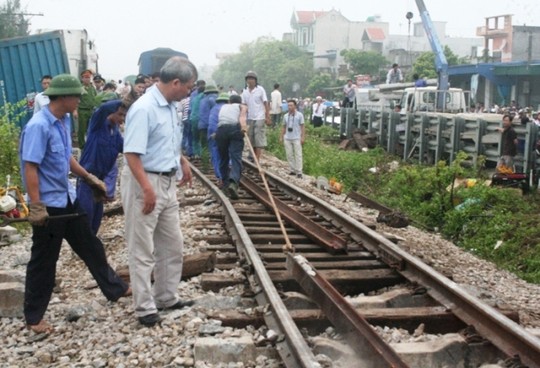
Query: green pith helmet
64 85
223 97
210 89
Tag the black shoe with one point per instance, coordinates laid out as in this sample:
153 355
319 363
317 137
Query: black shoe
299 176
150 320
232 190
179 305
292 173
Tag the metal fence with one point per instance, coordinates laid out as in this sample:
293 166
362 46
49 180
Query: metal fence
428 137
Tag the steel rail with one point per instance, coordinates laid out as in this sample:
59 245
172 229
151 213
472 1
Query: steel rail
502 332
293 350
372 351
320 235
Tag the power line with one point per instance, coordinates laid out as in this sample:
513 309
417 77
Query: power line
24 14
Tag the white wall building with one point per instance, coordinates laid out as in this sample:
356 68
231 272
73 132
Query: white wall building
324 34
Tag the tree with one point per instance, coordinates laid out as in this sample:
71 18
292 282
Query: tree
364 62
424 66
12 20
324 85
274 62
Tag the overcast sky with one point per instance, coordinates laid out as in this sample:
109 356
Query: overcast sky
122 29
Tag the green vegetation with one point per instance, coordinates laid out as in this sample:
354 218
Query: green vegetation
10 116
499 225
424 65
13 22
274 62
366 62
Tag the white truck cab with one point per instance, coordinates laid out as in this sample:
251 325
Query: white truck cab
415 99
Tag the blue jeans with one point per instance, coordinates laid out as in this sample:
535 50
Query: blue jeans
230 143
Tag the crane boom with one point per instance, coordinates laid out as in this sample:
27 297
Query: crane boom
441 64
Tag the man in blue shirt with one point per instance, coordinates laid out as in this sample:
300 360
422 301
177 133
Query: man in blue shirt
152 148
46 160
208 101
194 114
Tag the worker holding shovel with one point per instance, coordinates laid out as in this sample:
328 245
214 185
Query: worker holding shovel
46 160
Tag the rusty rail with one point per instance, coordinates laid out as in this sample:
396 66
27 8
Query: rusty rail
504 333
328 240
372 351
293 350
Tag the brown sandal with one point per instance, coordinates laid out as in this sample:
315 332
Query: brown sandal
41 327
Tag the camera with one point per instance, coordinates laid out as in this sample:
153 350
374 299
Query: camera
289 129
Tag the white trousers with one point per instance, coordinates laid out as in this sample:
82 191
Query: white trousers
155 243
293 150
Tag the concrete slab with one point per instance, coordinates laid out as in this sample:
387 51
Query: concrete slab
7 233
11 299
451 350
12 276
397 298
216 350
331 348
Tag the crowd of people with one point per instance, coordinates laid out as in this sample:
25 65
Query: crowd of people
158 123
169 118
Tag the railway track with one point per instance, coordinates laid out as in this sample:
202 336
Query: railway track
335 255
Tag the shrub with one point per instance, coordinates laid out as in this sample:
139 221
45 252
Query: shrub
10 116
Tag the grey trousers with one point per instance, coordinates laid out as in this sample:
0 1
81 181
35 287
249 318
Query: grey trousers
155 243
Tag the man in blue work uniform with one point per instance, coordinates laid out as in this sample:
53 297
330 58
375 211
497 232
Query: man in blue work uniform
46 160
152 145
103 144
208 101
194 114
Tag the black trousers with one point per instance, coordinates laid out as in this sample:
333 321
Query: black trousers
41 269
317 121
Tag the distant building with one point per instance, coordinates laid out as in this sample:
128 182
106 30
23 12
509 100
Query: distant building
505 42
510 66
324 34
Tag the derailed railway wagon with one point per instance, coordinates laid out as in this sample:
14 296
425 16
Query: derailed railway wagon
24 60
151 61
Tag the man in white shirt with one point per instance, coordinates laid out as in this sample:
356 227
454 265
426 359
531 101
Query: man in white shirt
293 135
317 112
349 90
275 105
394 75
254 96
41 100
232 91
